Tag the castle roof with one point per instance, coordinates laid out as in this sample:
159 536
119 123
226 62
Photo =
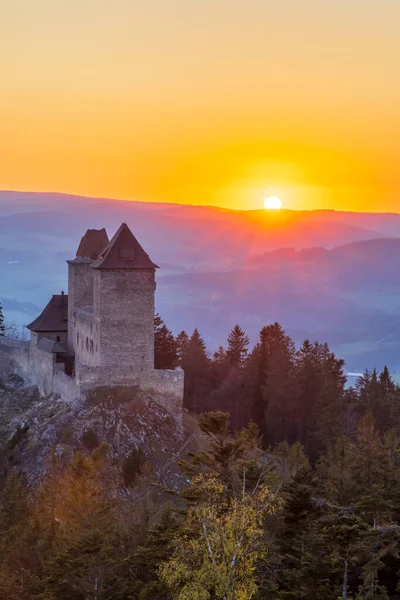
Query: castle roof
54 316
92 243
124 252
51 346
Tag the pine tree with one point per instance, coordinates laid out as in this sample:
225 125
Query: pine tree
343 535
270 371
147 558
85 556
226 453
14 506
2 324
197 374
18 541
238 343
182 340
320 397
289 461
336 471
165 346
298 544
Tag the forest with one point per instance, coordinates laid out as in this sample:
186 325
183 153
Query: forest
291 489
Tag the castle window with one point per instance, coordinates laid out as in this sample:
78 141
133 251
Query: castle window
77 338
87 343
58 338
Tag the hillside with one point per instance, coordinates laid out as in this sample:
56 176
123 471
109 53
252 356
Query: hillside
125 419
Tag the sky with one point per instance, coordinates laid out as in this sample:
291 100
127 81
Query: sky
220 102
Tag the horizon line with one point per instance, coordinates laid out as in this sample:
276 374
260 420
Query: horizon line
214 206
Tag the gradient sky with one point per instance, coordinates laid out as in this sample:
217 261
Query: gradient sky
203 101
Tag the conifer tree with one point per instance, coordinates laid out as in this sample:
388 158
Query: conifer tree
299 546
165 346
336 471
85 557
289 461
18 543
182 340
156 548
343 536
270 368
320 381
197 374
238 343
2 324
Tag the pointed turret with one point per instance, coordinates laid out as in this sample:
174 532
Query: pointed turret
92 244
123 252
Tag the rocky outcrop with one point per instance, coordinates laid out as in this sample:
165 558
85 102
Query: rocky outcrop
125 418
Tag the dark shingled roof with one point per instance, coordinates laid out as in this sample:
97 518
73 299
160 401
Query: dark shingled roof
92 243
54 316
124 252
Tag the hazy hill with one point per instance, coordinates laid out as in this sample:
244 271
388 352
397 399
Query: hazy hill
324 274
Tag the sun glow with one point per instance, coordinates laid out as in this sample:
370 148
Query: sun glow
272 203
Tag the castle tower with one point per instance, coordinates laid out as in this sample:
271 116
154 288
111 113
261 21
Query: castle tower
80 279
123 307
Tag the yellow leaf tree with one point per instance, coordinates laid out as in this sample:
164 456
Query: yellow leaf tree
216 551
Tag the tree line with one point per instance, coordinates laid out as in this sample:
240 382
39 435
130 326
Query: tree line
293 395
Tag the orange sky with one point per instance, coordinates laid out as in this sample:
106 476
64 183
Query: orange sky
203 101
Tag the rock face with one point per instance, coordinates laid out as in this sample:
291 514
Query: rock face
127 419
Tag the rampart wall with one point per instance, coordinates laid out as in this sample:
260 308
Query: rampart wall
14 358
42 369
168 383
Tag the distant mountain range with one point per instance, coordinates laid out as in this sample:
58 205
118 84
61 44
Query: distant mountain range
323 274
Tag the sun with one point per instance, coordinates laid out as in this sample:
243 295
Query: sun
272 203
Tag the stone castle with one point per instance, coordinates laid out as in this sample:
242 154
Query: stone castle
102 332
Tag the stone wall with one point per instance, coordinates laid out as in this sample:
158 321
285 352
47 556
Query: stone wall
168 384
42 368
124 310
14 359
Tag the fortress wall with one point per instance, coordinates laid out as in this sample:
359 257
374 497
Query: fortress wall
43 368
15 359
168 381
168 384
